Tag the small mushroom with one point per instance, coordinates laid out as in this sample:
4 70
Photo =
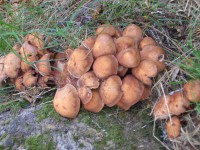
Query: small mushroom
104 45
3 75
88 43
30 78
110 90
44 80
85 94
173 127
129 58
19 84
134 32
160 109
95 104
43 65
80 62
12 64
105 66
66 101
155 54
28 50
122 70
27 63
132 91
178 103
145 71
146 41
106 28
89 79
124 42
123 106
192 90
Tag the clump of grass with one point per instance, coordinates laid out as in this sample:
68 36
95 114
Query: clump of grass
43 142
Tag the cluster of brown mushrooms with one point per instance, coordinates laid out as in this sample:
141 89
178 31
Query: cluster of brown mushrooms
176 104
114 67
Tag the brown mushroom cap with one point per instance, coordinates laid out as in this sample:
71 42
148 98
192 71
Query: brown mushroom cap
19 84
95 104
178 103
134 32
122 70
110 90
66 101
154 53
106 28
146 41
29 78
160 109
132 91
26 63
43 81
124 42
17 46
129 58
3 75
104 45
80 62
88 43
105 66
123 106
43 65
28 50
145 71
192 90
173 127
146 92
85 94
12 65
89 79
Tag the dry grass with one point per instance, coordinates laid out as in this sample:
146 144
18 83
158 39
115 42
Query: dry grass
174 24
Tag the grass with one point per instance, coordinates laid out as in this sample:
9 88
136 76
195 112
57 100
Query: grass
173 24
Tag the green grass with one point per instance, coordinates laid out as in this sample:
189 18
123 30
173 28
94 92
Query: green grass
40 142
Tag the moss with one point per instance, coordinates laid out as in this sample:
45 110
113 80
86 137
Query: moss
43 142
2 147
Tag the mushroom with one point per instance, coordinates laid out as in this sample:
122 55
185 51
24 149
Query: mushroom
105 66
43 65
89 79
3 75
160 110
66 101
123 106
88 43
192 90
155 54
106 28
178 103
28 50
110 90
134 32
44 80
145 71
173 127
30 78
19 84
146 41
129 58
27 63
85 94
132 91
122 70
80 62
95 104
12 64
104 45
124 42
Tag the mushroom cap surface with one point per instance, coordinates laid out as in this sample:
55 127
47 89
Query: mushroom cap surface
173 127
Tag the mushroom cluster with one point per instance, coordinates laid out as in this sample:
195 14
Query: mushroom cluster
176 104
114 67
